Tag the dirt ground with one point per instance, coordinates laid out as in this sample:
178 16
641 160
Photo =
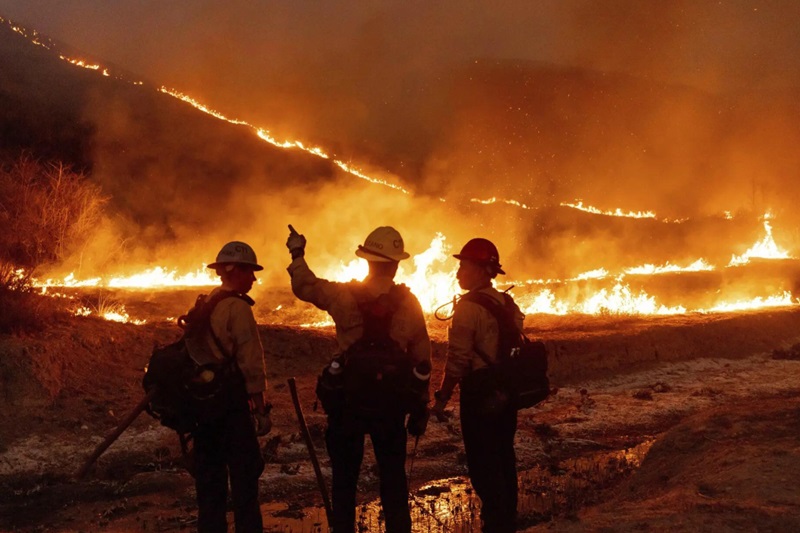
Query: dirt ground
688 423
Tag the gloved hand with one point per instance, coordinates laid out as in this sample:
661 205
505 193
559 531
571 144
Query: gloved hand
418 422
263 423
296 243
438 411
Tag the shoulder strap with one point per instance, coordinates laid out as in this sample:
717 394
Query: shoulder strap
377 311
200 314
501 314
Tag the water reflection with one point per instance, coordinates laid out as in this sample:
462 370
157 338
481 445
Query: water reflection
450 505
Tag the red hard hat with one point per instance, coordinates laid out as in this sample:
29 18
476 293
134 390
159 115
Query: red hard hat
481 251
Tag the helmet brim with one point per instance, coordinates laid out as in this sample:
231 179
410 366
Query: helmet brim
254 266
369 255
496 267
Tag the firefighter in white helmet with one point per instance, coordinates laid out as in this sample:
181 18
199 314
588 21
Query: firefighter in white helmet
378 376
226 444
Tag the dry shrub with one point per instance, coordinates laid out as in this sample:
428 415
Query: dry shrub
46 213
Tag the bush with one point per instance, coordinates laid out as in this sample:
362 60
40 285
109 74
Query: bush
46 212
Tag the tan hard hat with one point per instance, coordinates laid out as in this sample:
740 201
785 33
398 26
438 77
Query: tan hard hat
384 244
236 252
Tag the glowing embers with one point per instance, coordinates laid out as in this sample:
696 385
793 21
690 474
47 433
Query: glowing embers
766 248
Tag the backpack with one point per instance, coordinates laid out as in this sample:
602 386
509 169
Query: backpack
374 376
521 366
188 382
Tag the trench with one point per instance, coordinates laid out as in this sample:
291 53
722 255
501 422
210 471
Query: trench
450 505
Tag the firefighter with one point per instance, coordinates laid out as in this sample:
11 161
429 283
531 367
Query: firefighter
358 310
227 445
488 418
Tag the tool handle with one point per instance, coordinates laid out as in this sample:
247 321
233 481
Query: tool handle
114 435
310 445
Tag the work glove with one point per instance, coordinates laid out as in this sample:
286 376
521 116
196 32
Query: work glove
263 423
418 422
296 243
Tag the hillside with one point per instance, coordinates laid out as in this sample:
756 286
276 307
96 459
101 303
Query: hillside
138 143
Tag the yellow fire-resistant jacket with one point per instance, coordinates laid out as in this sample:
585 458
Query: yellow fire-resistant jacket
474 327
235 326
408 323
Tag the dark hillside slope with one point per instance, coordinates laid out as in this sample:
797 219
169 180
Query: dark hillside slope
152 153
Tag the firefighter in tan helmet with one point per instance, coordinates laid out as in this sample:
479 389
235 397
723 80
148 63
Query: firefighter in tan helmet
225 444
488 419
378 376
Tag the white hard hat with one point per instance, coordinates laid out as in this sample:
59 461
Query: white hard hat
236 252
384 244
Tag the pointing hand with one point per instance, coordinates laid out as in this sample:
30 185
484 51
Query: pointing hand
296 243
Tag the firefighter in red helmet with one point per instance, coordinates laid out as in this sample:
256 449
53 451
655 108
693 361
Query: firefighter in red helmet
488 418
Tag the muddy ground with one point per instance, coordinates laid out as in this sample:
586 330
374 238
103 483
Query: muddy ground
685 423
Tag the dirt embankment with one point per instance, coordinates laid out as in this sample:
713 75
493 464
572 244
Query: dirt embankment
622 382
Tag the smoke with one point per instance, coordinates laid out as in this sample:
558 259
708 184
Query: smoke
686 109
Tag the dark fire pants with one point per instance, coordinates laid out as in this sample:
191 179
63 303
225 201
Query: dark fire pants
345 441
492 463
222 447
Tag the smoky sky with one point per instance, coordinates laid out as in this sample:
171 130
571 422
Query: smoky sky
715 45
374 74
684 107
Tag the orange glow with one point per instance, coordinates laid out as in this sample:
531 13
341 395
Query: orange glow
431 274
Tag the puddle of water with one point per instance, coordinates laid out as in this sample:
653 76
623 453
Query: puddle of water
451 506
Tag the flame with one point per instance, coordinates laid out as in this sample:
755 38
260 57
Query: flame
153 278
432 278
494 200
649 269
82 63
779 300
117 314
766 248
616 213
619 300
266 136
